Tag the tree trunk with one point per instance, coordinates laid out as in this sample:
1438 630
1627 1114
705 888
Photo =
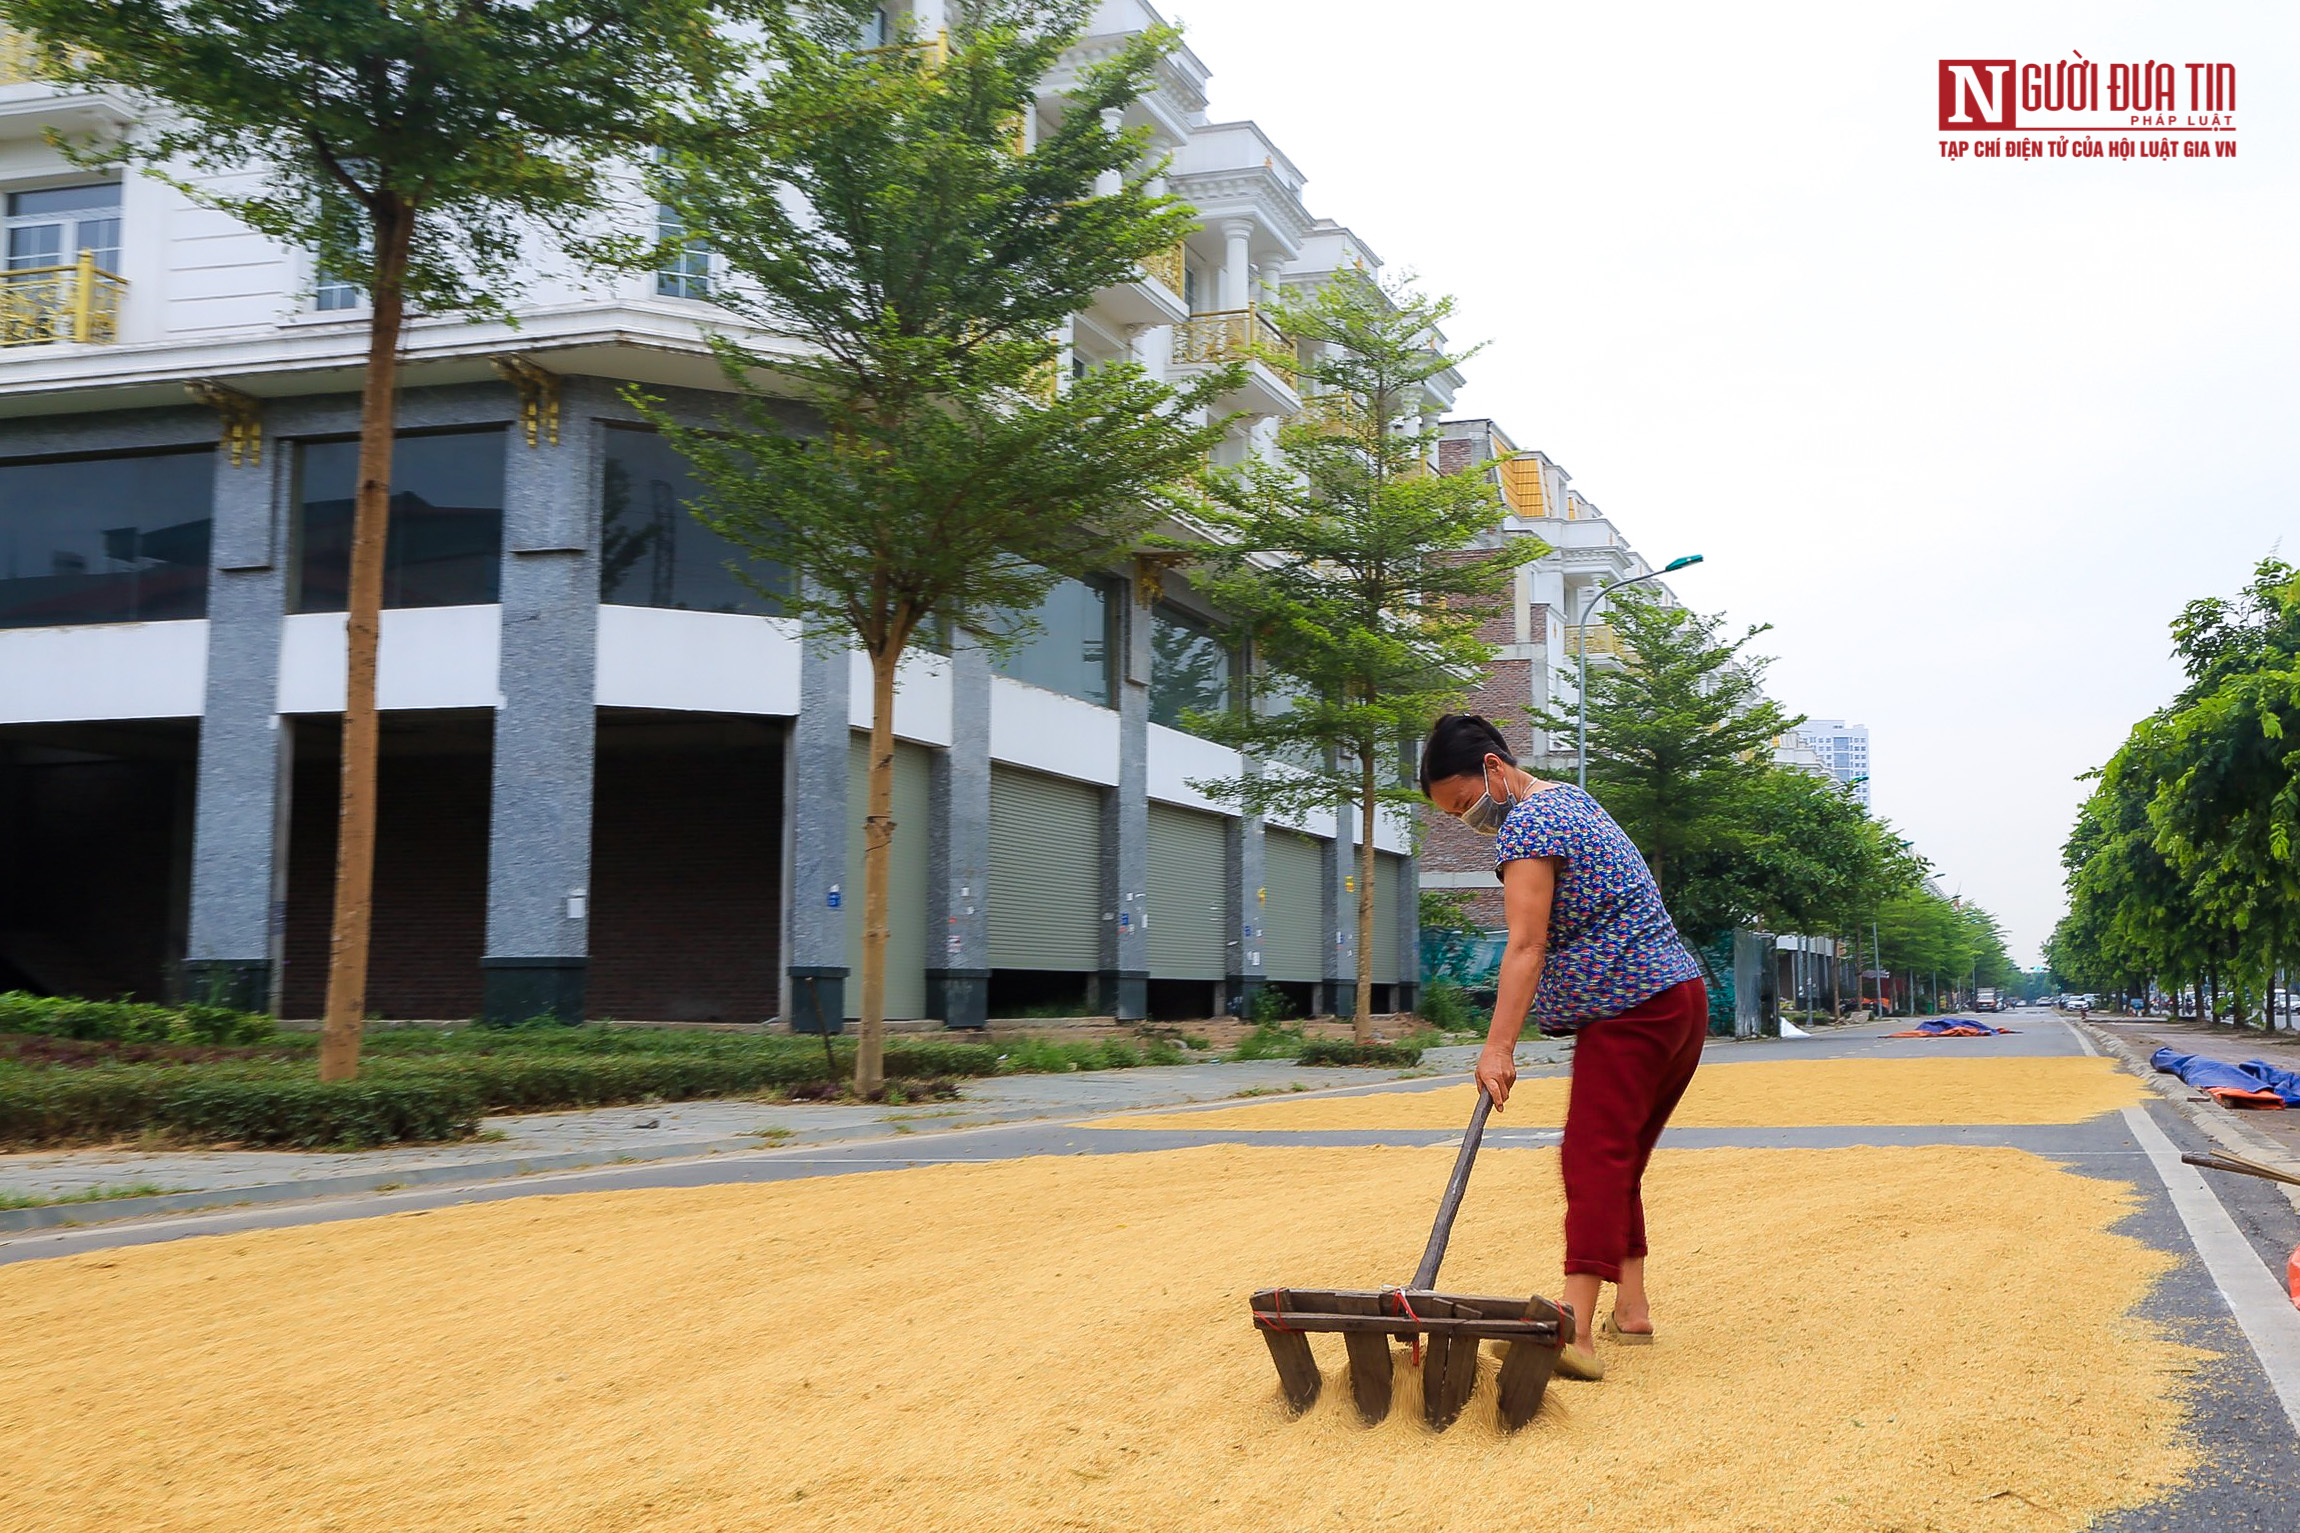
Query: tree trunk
1362 1018
1836 983
878 837
346 1015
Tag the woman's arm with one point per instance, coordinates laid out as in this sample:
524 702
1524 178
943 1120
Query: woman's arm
1527 886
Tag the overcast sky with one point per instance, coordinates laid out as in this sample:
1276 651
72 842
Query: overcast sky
1966 434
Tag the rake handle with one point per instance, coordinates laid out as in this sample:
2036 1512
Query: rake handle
1442 1231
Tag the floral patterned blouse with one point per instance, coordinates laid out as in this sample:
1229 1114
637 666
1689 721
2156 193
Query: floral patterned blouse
1611 942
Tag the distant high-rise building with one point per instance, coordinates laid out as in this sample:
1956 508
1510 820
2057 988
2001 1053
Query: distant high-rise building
1844 751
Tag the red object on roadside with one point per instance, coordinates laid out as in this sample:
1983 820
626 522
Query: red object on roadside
2292 1277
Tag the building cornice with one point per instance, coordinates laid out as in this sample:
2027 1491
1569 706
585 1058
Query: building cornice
631 341
1257 191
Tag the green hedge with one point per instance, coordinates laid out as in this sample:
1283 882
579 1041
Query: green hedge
1341 1051
512 1082
411 1099
129 1021
267 1108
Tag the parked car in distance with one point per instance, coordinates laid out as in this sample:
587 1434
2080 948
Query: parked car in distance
1985 999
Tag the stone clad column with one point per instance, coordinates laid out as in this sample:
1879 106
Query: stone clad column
958 955
246 751
1245 967
1339 902
815 831
1124 982
546 729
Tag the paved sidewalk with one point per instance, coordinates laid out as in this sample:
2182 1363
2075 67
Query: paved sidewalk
2143 1036
533 1142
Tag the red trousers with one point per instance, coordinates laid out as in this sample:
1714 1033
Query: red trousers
1628 1073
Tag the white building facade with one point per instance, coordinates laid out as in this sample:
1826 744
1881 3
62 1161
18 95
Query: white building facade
615 782
1843 750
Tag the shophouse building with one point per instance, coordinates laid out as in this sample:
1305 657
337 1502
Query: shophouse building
614 781
1540 637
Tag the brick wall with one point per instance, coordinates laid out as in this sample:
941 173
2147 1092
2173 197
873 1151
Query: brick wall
686 875
430 922
1447 845
1456 454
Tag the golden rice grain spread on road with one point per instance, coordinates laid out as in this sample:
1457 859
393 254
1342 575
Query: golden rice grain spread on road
1806 1093
1061 1342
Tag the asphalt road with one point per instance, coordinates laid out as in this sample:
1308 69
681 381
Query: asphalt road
2231 1236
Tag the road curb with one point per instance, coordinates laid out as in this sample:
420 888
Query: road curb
2217 1123
48 1216
112 1210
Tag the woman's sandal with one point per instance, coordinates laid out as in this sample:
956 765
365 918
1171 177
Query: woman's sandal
1613 1332
1571 1366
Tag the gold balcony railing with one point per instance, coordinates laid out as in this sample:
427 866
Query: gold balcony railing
1596 639
80 302
931 52
1336 412
1234 335
1165 268
22 60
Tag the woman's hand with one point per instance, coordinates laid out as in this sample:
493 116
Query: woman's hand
1497 1071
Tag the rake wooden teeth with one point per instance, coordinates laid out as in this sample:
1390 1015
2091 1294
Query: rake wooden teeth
1446 1327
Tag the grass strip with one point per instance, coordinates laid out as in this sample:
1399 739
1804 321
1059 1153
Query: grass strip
103 1194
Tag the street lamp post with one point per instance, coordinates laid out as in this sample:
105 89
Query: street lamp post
1581 655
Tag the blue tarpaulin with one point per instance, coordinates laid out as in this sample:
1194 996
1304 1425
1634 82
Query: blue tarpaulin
1951 1027
2254 1083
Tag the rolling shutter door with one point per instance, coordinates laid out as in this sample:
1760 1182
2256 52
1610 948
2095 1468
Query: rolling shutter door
1386 868
1187 919
1291 919
1045 872
906 893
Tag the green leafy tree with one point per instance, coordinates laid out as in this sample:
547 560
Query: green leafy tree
1359 577
1803 856
1680 736
2182 866
2226 761
417 148
900 262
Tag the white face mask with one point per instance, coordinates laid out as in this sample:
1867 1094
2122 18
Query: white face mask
1486 815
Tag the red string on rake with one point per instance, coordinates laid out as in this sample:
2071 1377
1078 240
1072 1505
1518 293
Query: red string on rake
1276 1318
1407 1310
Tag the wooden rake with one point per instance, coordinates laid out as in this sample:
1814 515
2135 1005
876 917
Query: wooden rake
1444 1329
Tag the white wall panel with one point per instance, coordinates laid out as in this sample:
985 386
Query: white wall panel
104 671
703 662
1048 732
431 657
1177 758
921 696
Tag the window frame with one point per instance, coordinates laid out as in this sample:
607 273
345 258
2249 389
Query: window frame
296 539
1205 627
205 565
71 218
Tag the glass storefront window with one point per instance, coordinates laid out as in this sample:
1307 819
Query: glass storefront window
652 551
1189 668
1069 649
105 540
444 545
